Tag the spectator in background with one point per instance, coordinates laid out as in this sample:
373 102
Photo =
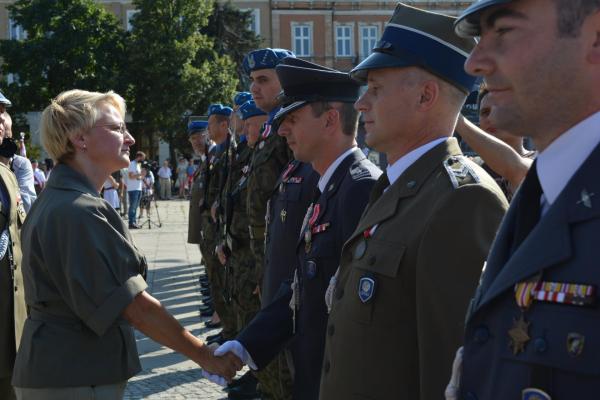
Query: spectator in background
501 154
18 164
134 187
164 177
182 176
110 192
147 190
49 165
39 178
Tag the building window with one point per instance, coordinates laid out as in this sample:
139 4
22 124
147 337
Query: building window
302 39
16 31
130 15
369 35
343 41
254 25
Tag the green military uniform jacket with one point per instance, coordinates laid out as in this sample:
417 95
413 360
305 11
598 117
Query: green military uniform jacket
197 205
218 170
12 295
406 276
81 270
271 155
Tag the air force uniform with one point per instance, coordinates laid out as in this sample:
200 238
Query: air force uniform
330 219
532 328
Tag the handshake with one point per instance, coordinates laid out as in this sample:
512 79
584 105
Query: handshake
226 361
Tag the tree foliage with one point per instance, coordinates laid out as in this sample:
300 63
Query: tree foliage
70 44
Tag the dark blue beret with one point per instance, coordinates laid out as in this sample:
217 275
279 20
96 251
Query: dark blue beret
418 38
219 109
249 109
241 97
264 59
197 126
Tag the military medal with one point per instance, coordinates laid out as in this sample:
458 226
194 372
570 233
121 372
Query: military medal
261 145
307 240
314 209
283 214
519 332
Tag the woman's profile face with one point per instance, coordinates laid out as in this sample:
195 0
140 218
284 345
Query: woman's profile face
108 141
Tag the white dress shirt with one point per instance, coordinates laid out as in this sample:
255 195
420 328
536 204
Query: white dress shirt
403 163
557 164
324 180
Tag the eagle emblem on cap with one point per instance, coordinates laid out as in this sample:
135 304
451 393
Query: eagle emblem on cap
251 61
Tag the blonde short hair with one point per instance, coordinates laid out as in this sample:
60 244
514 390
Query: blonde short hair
70 113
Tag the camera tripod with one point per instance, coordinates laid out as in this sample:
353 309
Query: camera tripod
146 204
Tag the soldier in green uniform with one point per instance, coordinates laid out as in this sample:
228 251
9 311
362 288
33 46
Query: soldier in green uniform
12 296
408 270
218 129
271 153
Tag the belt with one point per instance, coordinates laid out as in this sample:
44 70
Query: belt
257 232
105 189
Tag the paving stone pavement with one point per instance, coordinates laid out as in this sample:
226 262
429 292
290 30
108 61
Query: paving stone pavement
174 268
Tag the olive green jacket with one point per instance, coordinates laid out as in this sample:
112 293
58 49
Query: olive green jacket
406 276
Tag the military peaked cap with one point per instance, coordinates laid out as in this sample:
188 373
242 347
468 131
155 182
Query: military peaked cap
418 38
4 100
467 24
304 82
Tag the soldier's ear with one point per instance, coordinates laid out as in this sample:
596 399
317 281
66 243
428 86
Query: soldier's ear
594 52
430 91
333 117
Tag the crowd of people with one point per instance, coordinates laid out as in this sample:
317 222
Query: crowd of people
448 275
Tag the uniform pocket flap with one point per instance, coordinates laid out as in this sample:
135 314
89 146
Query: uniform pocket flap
379 256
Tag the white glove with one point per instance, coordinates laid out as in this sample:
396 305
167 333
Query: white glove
454 384
218 379
236 348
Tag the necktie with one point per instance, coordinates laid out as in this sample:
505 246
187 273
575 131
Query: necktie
382 183
528 208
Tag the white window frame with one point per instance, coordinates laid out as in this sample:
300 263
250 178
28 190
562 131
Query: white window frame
255 23
16 31
349 38
130 14
362 53
305 52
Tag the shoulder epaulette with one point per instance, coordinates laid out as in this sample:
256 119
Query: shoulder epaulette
359 171
459 171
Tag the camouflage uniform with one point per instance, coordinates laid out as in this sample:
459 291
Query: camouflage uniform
214 268
270 157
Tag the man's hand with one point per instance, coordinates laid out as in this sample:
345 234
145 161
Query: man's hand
221 254
220 369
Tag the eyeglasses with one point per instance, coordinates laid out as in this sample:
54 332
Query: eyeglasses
121 127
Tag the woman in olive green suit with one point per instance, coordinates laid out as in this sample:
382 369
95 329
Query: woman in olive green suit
82 272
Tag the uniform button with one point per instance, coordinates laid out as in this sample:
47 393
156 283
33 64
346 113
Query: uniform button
481 335
339 294
540 345
331 330
326 366
470 396
372 260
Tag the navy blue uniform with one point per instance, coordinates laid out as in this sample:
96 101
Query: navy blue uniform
560 355
340 207
288 204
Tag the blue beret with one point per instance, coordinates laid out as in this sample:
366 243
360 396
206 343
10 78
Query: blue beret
197 126
219 109
4 100
249 109
241 97
418 38
264 59
467 24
